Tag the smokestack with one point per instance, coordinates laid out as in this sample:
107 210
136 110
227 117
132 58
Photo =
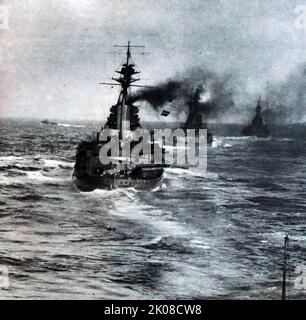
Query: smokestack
203 92
194 119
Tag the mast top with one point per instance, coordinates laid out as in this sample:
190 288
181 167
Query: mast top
128 46
127 70
258 107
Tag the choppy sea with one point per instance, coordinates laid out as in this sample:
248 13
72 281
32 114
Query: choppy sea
205 235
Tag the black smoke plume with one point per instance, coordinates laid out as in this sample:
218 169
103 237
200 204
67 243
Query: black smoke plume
287 99
199 91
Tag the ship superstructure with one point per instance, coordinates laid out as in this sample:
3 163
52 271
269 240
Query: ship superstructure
258 126
90 173
194 120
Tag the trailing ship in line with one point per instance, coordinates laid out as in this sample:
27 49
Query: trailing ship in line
49 122
258 126
90 173
194 120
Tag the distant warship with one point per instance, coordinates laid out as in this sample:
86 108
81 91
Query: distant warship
90 173
49 122
257 127
194 120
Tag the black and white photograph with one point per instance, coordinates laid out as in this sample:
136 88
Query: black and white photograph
153 150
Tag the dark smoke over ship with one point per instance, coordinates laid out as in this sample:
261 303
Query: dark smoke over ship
194 119
288 98
203 93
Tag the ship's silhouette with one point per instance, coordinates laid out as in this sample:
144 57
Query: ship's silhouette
90 173
258 126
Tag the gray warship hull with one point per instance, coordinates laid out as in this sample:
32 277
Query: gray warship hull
87 184
90 172
261 131
257 128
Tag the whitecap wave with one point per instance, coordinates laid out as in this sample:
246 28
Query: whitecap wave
216 142
159 188
56 163
11 158
39 177
100 193
200 244
70 125
178 171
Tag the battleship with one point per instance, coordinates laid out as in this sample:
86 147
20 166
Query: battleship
194 119
49 122
89 172
258 127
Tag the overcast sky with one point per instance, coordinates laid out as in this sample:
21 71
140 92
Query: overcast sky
54 53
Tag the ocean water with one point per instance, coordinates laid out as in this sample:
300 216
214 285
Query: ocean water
203 235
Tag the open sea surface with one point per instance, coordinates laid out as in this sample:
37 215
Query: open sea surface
203 235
